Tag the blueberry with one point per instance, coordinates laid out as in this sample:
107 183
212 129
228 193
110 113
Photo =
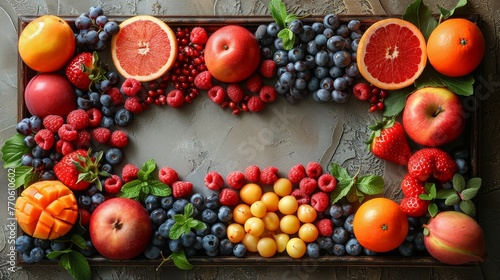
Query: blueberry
108 111
158 240
112 28
354 24
203 231
266 52
212 201
322 95
164 229
106 167
152 252
152 202
307 34
123 117
335 71
89 250
318 27
179 205
369 252
114 156
105 99
348 223
320 40
27 160
226 247
84 201
97 199
352 247
321 58
286 79
197 243
313 84
190 251
300 84
320 72
92 190
462 165
340 84
198 201
331 21
212 253
83 22
84 103
174 245
312 250
340 235
296 54
210 242
158 216
43 243
58 245
188 239
26 258
352 70
342 30
37 164
95 11
339 250
209 216
325 242
340 96
239 250
407 249
338 222
112 76
272 29
35 123
107 122
296 26
336 211
225 214
342 58
280 57
23 243
219 230
261 31
29 141
38 152
167 202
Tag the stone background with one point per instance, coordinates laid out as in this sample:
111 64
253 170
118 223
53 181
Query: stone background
329 133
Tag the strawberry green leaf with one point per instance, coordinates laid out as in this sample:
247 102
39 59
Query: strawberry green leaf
420 15
13 150
180 260
370 184
448 13
459 85
396 100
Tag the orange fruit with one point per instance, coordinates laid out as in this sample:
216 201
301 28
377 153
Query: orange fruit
145 48
46 210
455 47
47 43
391 54
380 225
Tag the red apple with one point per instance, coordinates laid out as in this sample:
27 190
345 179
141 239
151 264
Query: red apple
120 228
433 116
232 54
49 94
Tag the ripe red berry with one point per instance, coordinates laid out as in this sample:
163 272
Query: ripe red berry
254 83
308 185
217 94
116 95
362 91
101 135
78 118
320 201
83 139
268 94
95 117
269 175
301 197
252 174
228 197
168 175
203 80
84 216
325 227
113 184
175 98
53 122
214 181
296 173
133 104
255 104
198 36
129 172
267 68
45 139
181 189
64 147
67 132
119 139
235 179
314 170
235 92
326 182
131 87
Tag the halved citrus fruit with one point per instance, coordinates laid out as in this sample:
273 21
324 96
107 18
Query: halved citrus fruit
145 48
392 54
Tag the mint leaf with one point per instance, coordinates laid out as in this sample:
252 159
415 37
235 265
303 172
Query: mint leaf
339 172
474 183
468 207
179 218
176 230
158 188
288 38
180 260
458 182
79 241
452 199
396 101
24 176
197 225
459 85
147 168
448 13
188 210
342 189
469 194
370 184
278 12
77 265
55 254
290 18
13 150
445 193
131 189
420 15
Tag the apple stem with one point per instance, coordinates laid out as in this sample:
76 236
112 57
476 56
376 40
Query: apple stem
438 111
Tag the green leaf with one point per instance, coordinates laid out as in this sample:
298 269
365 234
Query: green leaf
474 183
459 85
77 265
433 209
55 254
445 193
147 168
159 189
339 172
458 182
79 241
180 260
24 176
452 200
468 207
448 13
179 218
290 18
288 38
13 150
131 189
469 194
197 225
175 231
396 100
370 184
419 14
342 189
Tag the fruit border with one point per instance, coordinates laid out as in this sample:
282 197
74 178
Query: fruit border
212 23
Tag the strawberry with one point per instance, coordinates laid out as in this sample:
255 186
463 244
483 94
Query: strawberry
84 69
432 162
77 170
414 206
411 186
388 141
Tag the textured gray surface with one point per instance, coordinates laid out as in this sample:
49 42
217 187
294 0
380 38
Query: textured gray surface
277 137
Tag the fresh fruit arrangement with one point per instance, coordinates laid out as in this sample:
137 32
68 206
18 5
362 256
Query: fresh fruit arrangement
83 198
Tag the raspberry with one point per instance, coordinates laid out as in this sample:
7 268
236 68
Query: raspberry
168 175
64 147
235 180
254 83
78 118
203 80
131 87
214 181
326 182
269 175
101 135
83 139
45 139
228 197
84 216
314 170
308 185
175 98
320 201
53 122
235 92
255 104
133 104
325 227
217 94
198 35
296 173
268 94
67 132
129 172
252 174
267 68
113 184
119 139
116 95
301 197
95 117
182 189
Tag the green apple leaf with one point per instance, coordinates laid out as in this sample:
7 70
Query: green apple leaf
13 150
460 85
396 101
419 14
448 13
77 265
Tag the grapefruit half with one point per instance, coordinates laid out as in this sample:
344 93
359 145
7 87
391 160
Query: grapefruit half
391 54
145 48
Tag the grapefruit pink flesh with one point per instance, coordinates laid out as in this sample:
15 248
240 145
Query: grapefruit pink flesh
392 54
